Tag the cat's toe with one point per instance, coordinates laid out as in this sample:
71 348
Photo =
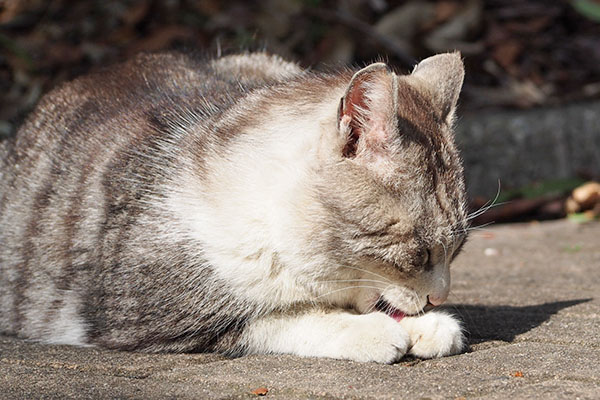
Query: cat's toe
377 338
434 334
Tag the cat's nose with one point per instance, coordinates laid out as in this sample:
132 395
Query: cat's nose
436 300
438 292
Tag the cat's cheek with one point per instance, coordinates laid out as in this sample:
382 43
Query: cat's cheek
434 334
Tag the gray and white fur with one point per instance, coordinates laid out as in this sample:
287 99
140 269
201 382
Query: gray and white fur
240 205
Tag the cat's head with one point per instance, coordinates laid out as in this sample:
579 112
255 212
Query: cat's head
394 190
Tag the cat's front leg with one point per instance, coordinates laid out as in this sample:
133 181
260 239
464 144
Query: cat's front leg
334 334
434 334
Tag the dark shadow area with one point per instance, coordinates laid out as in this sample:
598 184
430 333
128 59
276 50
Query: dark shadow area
485 323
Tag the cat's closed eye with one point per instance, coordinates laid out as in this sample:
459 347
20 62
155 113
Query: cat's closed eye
426 256
423 258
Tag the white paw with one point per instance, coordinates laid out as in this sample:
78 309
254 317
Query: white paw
372 337
434 334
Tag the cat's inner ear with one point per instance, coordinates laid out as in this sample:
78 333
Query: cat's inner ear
443 75
367 115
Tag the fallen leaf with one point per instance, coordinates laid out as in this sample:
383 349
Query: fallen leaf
538 24
261 391
517 374
134 14
587 195
506 53
454 33
445 9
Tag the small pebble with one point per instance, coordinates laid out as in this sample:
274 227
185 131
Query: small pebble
491 252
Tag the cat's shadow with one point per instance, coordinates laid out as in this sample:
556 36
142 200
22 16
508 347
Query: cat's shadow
486 323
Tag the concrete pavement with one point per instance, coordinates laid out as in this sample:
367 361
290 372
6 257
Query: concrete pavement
527 293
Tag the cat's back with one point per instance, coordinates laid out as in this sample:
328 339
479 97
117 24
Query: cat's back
134 102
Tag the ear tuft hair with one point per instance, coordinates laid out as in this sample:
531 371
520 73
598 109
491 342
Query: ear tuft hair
367 112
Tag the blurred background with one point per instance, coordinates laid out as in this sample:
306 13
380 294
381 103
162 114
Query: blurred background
529 125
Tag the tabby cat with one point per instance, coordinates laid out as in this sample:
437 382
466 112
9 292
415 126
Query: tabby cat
240 205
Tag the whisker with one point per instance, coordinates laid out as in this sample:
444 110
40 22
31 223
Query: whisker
495 197
354 280
487 205
479 227
347 288
420 312
445 252
367 271
474 228
372 306
483 211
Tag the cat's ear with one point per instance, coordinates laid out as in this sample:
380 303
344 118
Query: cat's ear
443 74
367 112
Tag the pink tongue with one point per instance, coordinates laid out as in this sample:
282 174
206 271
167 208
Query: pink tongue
398 315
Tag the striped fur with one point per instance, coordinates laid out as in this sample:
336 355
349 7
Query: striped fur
175 204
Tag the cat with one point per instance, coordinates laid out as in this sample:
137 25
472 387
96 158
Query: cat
239 205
